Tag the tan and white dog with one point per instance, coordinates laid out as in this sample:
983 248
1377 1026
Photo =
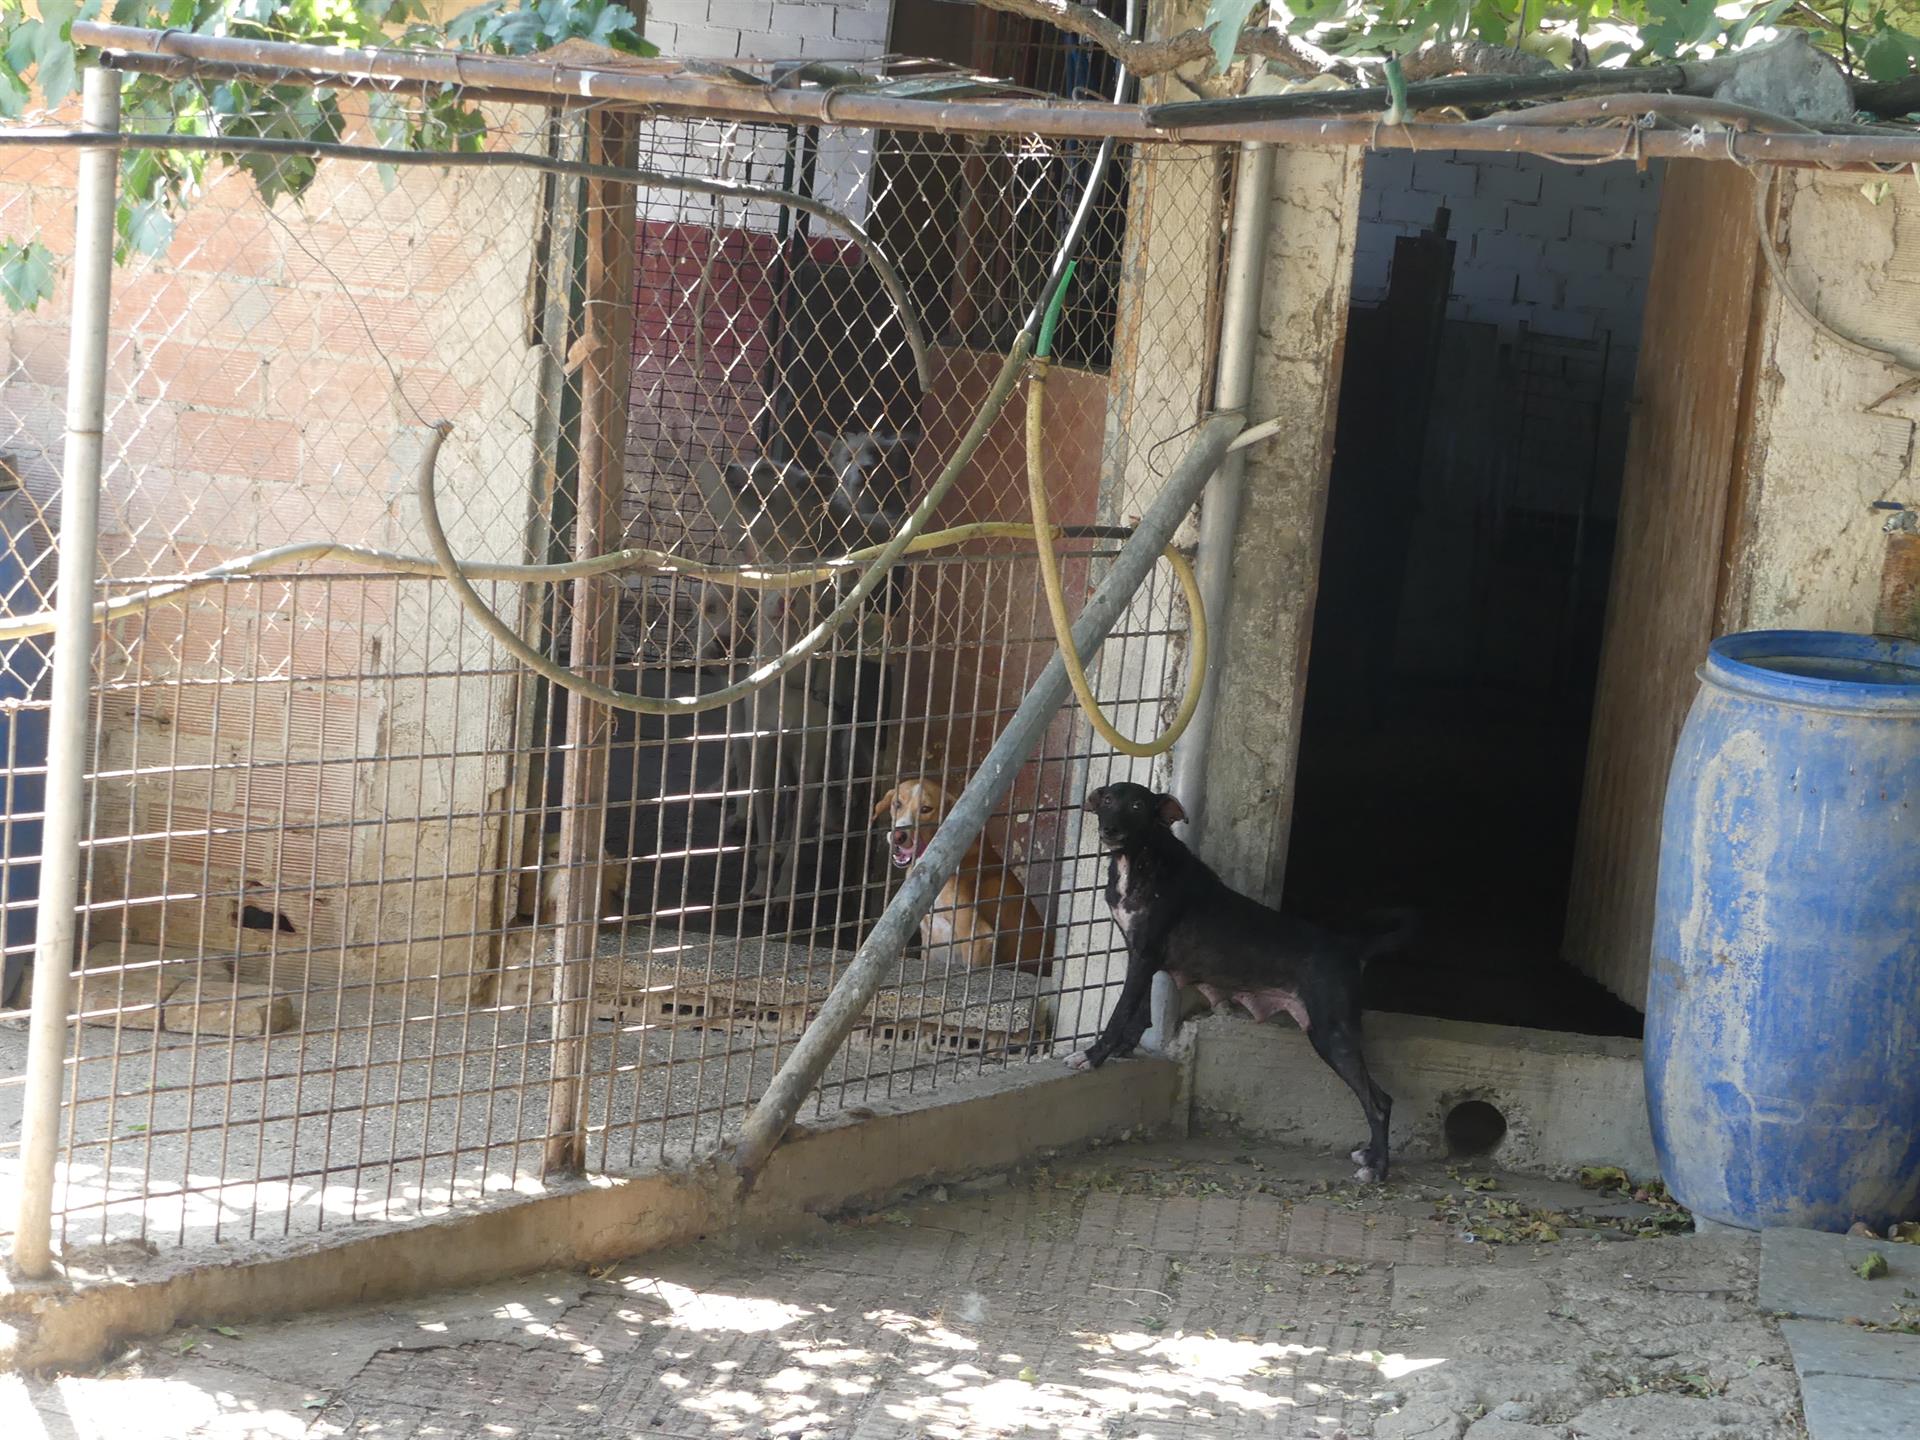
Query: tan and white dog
982 913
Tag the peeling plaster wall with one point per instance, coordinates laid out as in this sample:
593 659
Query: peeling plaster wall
1303 323
1833 428
1162 381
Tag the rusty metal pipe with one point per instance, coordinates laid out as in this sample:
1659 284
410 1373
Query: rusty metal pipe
657 89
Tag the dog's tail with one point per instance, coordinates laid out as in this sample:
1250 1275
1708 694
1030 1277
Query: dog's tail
1387 931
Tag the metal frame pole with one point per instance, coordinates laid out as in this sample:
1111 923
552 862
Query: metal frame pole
1220 512
843 1008
73 643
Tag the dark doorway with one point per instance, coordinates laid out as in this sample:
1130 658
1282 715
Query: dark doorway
1464 570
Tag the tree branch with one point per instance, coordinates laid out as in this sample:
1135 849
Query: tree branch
1471 57
1156 57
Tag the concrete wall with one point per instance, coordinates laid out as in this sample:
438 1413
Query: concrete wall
1568 1100
270 380
1832 429
1269 621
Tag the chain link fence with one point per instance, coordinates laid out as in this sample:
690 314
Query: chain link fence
324 977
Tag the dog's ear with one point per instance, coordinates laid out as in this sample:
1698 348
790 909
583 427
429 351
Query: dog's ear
885 803
1169 811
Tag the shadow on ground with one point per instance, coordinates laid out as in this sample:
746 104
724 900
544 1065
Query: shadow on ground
1208 1288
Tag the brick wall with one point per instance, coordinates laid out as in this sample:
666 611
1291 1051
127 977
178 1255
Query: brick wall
1565 249
270 379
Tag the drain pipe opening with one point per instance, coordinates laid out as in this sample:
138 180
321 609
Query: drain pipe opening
1473 1129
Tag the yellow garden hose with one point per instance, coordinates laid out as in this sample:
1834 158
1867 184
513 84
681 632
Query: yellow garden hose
1043 534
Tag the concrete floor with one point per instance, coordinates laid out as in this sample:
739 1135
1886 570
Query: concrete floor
1215 1287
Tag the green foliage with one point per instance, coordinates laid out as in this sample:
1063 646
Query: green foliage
26 274
156 186
1881 42
537 24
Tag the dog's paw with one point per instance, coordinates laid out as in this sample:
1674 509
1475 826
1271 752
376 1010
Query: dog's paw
1370 1169
1079 1061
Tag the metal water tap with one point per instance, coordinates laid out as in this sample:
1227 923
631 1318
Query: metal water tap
1897 612
1902 521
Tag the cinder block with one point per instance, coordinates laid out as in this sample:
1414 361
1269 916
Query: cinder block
1623 181
1563 324
1545 221
1606 292
126 986
1485 285
832 47
1521 185
1514 252
1567 187
1409 207
704 42
1576 257
228 1010
765 45
792 21
1635 262
1439 175
1540 287
1604 225
753 16
863 22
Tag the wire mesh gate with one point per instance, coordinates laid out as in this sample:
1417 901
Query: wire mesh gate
322 976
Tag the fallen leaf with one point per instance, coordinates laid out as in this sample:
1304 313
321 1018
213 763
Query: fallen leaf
1874 1267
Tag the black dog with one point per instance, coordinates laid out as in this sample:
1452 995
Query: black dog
1180 917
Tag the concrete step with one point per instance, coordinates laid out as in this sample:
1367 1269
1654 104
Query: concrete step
1857 1381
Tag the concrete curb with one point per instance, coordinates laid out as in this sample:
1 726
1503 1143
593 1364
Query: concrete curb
1567 1100
982 1123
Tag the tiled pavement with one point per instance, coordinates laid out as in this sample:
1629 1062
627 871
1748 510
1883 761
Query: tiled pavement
1183 1290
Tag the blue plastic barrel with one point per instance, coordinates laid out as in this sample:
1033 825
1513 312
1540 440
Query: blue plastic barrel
1783 1009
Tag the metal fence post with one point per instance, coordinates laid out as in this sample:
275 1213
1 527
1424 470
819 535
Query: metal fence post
60 861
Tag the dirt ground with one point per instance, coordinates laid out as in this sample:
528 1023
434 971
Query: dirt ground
1215 1287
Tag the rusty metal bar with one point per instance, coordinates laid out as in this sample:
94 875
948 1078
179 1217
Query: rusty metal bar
608 336
524 79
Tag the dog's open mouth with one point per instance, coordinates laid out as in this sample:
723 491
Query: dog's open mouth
905 855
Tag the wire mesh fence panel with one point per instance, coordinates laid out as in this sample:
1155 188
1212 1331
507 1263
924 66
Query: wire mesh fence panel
326 973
